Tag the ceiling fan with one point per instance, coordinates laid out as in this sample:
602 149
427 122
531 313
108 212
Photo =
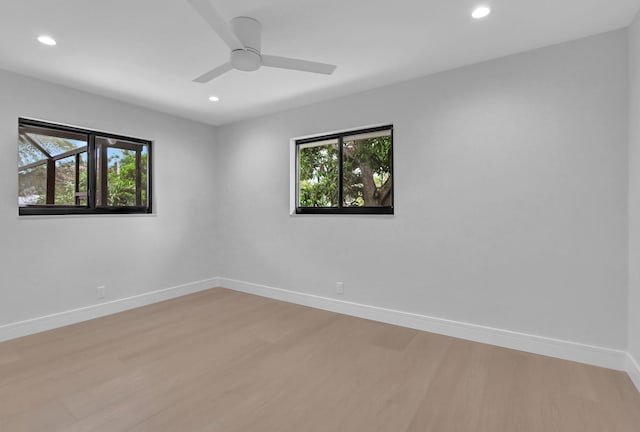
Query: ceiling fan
243 38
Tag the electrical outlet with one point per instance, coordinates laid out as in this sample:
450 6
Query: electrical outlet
101 291
340 288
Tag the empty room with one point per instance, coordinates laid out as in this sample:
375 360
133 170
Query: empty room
297 215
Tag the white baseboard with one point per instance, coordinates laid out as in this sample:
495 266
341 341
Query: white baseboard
49 322
633 369
589 354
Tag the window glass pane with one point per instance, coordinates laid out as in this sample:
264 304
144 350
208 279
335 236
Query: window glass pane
82 173
83 183
52 142
28 153
32 187
122 173
48 172
318 174
366 171
66 181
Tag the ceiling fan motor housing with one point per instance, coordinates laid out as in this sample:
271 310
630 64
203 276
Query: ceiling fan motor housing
248 32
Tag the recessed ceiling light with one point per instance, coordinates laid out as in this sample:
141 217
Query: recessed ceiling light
481 12
46 40
214 98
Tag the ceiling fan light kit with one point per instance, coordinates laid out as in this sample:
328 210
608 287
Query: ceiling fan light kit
244 39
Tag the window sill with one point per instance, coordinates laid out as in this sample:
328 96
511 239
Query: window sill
54 211
346 210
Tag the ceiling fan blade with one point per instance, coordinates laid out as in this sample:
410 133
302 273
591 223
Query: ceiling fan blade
213 73
217 22
296 64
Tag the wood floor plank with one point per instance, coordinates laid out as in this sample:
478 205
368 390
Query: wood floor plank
8 353
50 417
219 360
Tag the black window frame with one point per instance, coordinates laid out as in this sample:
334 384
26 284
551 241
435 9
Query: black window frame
340 209
91 207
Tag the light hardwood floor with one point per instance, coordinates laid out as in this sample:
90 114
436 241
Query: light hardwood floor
225 361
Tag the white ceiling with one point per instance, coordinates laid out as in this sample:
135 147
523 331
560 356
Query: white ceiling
147 51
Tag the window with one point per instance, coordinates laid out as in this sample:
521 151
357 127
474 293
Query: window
350 172
67 170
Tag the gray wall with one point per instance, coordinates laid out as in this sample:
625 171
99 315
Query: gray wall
511 195
634 190
54 264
